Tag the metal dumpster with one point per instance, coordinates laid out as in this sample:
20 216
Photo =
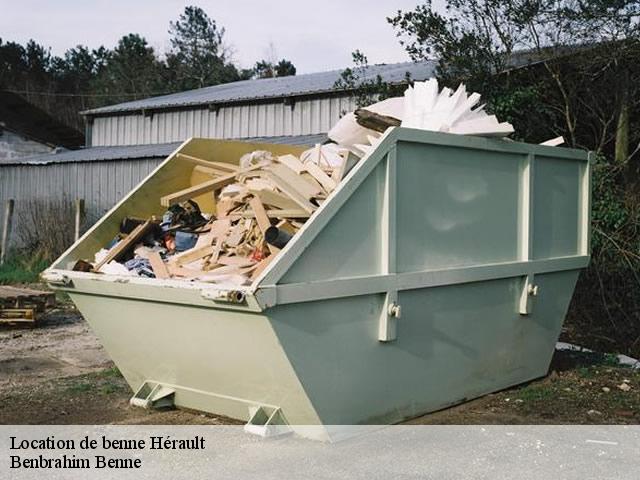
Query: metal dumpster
439 270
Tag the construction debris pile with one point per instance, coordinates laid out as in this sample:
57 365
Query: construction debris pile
262 202
260 205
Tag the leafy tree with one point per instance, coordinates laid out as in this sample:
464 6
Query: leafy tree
199 56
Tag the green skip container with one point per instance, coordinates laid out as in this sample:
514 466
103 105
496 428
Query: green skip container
439 270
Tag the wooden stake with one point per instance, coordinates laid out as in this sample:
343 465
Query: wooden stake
6 229
79 207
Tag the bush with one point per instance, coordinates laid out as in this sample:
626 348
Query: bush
604 312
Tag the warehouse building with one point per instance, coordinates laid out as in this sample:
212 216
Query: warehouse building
125 142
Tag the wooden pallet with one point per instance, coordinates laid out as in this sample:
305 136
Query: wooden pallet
21 306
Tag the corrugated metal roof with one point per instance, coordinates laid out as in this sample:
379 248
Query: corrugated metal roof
306 84
160 150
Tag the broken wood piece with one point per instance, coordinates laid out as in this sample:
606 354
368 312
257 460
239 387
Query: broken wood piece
375 121
275 199
260 214
210 171
178 271
227 167
192 255
262 219
297 213
316 172
294 194
123 245
201 188
235 261
157 265
302 185
231 270
292 162
236 235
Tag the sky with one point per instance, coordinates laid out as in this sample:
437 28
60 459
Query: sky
314 35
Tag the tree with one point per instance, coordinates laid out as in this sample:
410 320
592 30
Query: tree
132 70
270 69
367 89
199 56
577 43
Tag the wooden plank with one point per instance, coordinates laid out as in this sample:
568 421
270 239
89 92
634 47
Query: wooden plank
327 183
269 197
261 215
294 194
202 188
178 271
292 162
10 316
158 266
297 182
235 261
196 190
192 255
210 171
288 213
227 167
123 245
263 219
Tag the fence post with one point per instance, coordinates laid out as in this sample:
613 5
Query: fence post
6 229
79 208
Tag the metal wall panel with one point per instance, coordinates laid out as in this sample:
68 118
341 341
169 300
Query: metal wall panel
235 121
100 184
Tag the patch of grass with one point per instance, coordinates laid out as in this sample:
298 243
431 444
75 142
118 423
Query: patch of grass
110 387
535 392
20 268
110 372
80 387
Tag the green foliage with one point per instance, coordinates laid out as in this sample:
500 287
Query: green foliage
132 70
22 268
367 88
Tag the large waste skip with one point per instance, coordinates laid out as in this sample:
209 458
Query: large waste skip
439 270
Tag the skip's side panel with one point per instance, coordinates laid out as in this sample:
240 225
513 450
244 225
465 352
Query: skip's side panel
453 343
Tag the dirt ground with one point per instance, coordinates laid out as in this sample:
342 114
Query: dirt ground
59 374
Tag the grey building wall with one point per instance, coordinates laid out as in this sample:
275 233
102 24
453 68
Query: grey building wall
303 117
13 145
101 184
